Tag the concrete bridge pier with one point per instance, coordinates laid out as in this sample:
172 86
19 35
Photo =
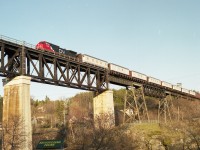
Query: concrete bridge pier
17 114
103 110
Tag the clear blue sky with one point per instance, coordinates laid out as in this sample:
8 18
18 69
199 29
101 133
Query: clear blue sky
160 38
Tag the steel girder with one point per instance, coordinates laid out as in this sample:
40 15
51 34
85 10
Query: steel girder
50 68
135 108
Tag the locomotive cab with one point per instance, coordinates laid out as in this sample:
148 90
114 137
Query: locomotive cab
43 45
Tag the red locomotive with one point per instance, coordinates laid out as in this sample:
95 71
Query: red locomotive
46 46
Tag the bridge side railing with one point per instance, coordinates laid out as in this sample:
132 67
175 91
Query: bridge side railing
23 43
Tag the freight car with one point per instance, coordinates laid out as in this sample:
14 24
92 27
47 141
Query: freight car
185 90
92 60
138 75
192 92
166 84
154 80
117 68
175 87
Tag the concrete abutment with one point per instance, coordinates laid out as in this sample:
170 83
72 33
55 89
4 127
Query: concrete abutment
17 113
103 109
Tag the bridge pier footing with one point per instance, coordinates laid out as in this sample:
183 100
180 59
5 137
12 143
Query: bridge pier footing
17 114
103 110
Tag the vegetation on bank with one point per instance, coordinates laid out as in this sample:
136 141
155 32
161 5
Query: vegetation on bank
71 119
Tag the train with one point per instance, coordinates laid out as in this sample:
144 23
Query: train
46 46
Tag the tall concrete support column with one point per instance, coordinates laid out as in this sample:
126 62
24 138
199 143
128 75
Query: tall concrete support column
17 114
103 110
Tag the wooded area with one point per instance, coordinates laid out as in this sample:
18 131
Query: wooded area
71 119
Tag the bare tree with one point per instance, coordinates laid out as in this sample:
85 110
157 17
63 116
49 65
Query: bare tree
13 133
192 135
101 136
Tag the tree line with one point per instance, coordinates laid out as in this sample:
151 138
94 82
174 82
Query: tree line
71 119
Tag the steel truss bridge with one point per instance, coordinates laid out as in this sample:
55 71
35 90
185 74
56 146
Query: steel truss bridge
20 58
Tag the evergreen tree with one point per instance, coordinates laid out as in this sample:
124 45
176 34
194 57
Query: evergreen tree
47 99
60 111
